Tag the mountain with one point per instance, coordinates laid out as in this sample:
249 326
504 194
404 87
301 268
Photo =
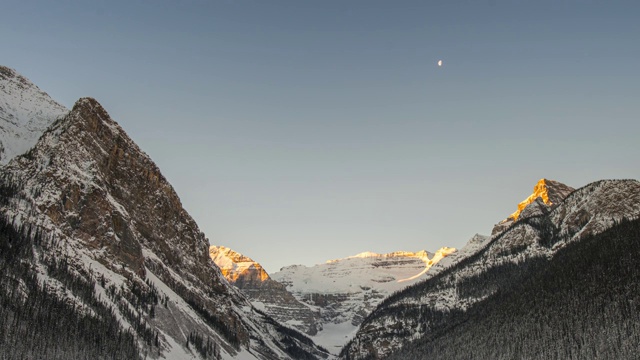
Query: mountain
344 291
328 301
546 195
25 113
533 290
264 293
94 232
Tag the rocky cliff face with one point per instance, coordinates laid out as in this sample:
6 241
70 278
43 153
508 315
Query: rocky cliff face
264 293
345 291
240 270
494 266
546 195
106 209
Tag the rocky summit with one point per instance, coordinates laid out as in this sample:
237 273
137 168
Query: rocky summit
546 195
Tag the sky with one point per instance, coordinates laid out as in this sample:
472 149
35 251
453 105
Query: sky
296 132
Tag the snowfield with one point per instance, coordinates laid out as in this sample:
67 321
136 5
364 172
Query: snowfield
25 113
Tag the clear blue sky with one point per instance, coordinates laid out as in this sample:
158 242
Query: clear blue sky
301 131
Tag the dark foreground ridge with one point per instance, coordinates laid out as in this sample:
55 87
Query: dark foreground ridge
581 305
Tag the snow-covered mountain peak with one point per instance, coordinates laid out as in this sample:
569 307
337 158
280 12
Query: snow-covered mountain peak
367 269
25 113
423 254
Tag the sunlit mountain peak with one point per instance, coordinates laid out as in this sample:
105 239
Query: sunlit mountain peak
549 191
235 265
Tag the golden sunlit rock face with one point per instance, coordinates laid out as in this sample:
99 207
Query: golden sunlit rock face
539 191
237 267
547 194
441 253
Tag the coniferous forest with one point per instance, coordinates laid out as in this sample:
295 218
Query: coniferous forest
582 304
38 324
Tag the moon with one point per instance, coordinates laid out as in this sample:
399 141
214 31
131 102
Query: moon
439 62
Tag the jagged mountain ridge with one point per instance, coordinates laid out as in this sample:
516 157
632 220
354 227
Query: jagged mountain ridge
108 212
584 213
25 113
264 293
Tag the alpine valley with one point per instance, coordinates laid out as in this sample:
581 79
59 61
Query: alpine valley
99 260
327 301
